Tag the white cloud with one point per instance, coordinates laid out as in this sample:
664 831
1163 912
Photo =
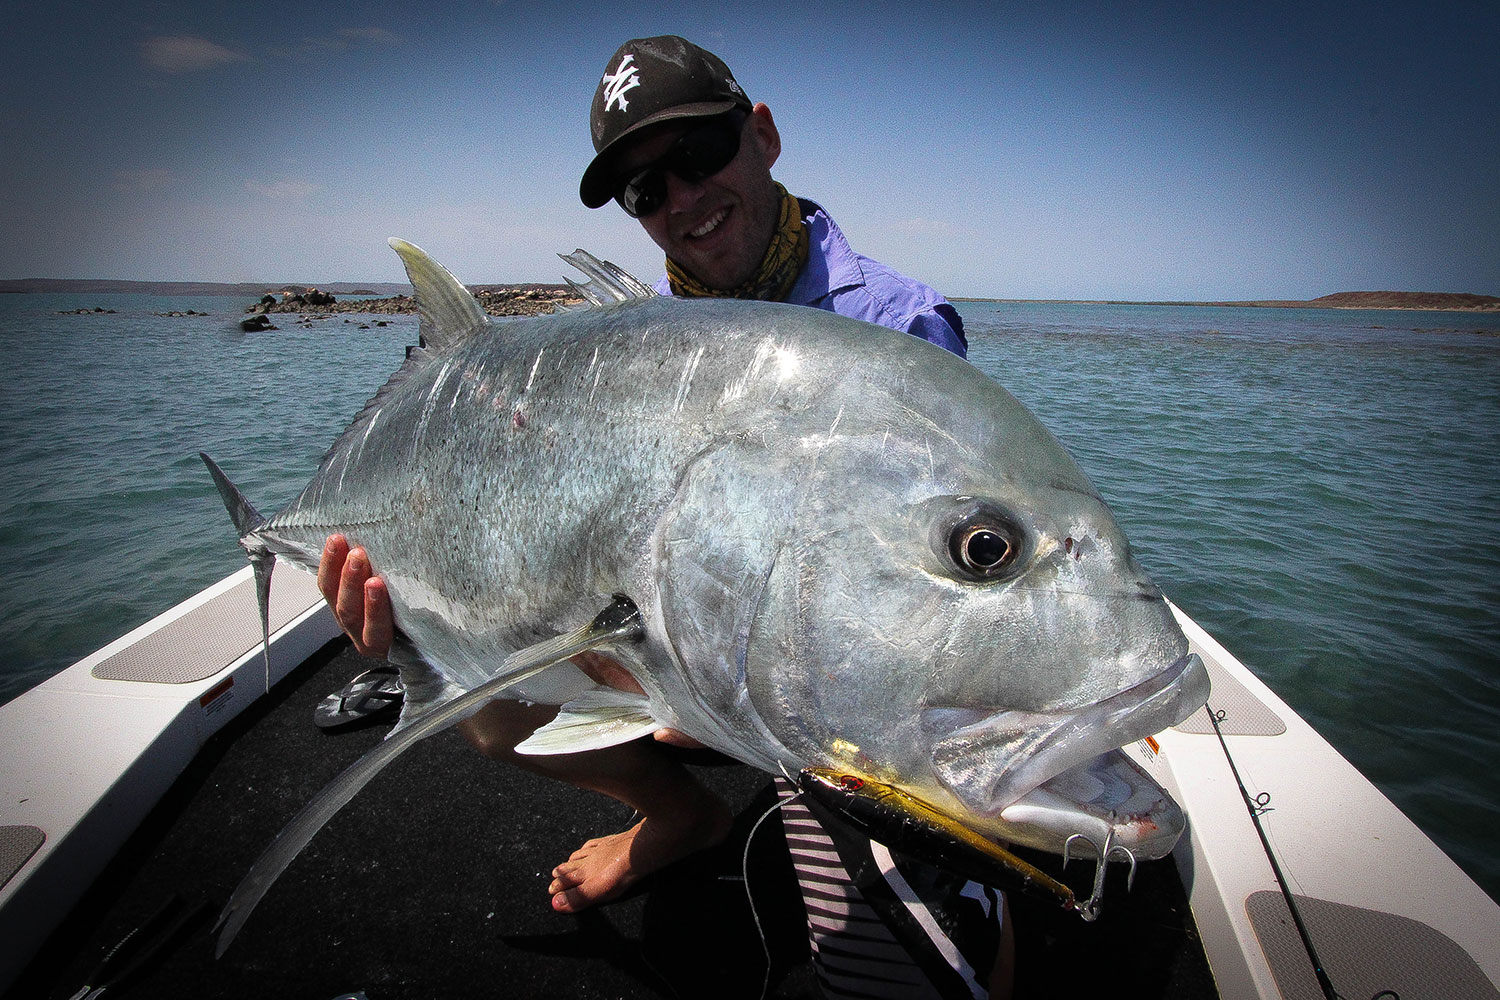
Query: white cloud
186 54
283 190
143 180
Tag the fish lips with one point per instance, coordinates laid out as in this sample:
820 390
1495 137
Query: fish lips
989 760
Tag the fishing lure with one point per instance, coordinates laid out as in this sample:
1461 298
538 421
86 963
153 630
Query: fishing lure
905 823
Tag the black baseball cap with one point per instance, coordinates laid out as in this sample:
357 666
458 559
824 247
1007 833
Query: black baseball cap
649 81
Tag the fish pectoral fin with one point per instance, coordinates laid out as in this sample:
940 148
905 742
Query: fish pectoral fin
602 717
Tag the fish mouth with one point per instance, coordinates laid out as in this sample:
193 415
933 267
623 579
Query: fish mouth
1107 800
992 762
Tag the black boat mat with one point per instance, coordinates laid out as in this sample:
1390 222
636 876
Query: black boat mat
432 882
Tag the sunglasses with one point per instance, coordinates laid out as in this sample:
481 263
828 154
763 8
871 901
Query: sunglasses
697 155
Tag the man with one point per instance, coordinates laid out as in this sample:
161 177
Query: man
663 123
682 149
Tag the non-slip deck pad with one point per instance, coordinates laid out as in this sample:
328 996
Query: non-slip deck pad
210 637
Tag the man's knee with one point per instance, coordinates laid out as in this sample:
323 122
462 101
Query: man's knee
496 728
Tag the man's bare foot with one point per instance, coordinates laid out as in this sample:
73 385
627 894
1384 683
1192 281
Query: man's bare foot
606 867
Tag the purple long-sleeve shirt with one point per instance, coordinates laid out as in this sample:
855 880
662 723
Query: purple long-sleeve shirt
851 284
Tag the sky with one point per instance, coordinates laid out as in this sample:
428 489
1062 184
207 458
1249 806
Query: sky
1140 151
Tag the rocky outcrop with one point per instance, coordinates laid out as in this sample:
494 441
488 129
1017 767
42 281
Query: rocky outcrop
503 300
525 301
304 301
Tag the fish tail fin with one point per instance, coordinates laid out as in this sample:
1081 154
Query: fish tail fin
247 520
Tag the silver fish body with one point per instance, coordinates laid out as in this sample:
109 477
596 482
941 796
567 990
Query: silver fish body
850 548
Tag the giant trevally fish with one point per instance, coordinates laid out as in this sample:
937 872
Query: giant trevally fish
820 546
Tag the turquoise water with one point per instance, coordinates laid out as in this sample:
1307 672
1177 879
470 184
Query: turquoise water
106 517
1318 488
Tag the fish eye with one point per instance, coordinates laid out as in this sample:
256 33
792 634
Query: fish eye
984 545
983 550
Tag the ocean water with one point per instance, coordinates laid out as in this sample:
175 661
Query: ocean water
1320 489
106 515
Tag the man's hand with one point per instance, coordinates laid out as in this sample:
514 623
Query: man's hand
361 604
362 607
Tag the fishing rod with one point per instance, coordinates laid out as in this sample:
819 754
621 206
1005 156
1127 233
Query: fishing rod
1256 806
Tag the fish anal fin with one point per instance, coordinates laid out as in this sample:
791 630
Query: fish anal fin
424 688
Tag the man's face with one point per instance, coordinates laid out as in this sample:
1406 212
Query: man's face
717 228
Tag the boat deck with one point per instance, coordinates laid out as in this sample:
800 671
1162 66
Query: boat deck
431 883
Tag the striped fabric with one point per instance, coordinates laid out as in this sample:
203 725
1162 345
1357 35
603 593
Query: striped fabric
883 929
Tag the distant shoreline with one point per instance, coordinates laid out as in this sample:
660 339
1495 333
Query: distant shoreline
1424 301
238 289
1411 301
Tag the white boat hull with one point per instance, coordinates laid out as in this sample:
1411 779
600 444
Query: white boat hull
1386 908
85 755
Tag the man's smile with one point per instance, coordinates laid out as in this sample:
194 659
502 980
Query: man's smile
709 225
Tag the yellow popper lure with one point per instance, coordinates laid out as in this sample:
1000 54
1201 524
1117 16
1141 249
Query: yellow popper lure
905 823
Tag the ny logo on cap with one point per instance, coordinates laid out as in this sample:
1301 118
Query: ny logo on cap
622 79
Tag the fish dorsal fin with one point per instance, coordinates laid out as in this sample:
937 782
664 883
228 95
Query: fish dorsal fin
449 313
602 717
607 283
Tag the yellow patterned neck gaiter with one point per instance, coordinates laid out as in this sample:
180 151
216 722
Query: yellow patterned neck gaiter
784 260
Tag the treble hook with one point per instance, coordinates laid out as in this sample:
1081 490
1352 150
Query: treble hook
1089 909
